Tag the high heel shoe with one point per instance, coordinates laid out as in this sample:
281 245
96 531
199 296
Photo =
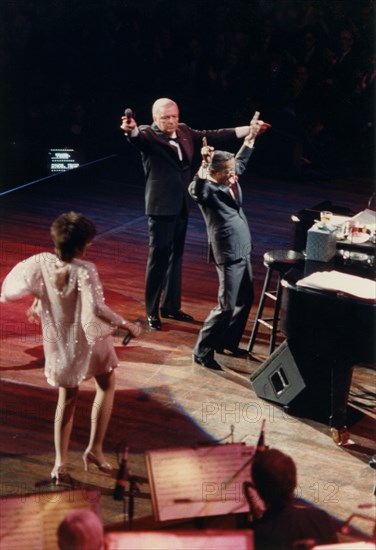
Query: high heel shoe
340 436
89 458
60 475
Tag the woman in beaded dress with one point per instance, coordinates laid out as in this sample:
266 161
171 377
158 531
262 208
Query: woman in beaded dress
77 329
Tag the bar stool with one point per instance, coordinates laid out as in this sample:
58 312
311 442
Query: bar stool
279 262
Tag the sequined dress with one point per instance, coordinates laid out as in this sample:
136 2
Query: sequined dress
77 325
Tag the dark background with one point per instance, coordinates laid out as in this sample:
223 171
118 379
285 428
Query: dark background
70 67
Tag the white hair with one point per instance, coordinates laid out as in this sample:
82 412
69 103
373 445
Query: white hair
160 103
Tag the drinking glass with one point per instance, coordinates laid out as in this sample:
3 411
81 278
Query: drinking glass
325 217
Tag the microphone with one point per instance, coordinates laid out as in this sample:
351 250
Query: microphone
260 446
346 528
122 476
232 180
129 114
366 505
128 337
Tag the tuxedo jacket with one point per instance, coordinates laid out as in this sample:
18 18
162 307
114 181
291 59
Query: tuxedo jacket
227 227
167 177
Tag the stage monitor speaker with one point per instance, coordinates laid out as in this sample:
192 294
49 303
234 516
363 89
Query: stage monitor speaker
278 379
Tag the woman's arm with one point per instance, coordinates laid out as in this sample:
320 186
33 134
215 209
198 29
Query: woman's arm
22 280
94 306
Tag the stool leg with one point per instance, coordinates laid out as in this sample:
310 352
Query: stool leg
276 316
259 310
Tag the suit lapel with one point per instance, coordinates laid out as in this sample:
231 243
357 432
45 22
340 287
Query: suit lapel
164 137
159 134
226 190
240 194
184 143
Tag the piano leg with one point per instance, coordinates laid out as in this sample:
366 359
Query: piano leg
327 374
341 376
340 389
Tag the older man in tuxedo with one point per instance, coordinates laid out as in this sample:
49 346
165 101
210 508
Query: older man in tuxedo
167 148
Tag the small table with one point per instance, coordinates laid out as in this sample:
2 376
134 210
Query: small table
305 219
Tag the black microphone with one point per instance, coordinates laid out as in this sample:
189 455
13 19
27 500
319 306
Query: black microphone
128 337
122 476
129 114
261 444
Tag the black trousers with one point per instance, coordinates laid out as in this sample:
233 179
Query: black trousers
164 265
225 324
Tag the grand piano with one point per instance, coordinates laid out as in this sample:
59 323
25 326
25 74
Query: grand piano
328 332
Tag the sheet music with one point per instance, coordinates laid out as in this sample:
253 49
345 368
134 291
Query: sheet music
54 508
199 481
31 521
341 282
20 524
200 539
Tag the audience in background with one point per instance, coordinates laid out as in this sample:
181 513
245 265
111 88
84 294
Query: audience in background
236 61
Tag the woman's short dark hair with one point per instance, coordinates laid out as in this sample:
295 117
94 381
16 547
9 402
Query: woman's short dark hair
70 233
274 476
218 158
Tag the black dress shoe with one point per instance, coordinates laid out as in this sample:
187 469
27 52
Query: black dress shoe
177 315
207 362
233 352
154 322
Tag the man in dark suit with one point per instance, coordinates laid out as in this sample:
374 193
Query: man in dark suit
167 148
219 196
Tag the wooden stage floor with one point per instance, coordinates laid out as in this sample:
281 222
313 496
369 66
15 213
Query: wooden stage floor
162 399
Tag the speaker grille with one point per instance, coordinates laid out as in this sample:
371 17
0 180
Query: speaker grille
278 379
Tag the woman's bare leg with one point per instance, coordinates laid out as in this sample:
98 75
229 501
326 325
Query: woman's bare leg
64 416
101 413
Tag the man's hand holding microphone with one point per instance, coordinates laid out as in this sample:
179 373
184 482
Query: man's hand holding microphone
128 121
